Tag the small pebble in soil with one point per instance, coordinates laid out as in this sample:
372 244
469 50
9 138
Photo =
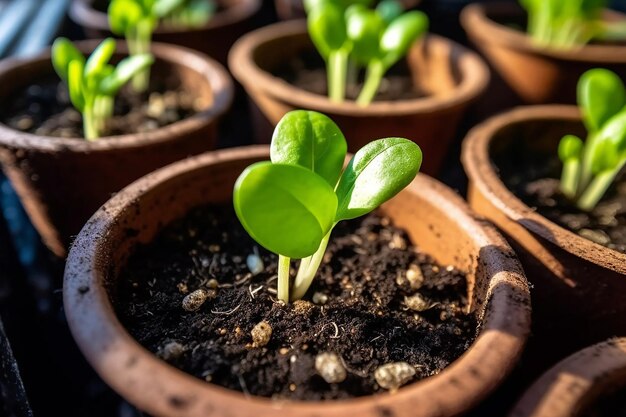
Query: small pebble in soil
392 376
417 302
261 334
212 284
415 277
193 301
319 298
328 365
255 263
171 351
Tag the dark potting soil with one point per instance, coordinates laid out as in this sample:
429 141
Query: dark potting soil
534 178
613 405
44 108
356 308
308 72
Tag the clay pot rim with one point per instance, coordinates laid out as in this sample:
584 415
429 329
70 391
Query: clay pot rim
83 14
213 72
244 69
89 253
476 21
481 172
599 366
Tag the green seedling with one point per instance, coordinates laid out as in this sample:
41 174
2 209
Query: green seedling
136 20
94 83
290 204
571 23
372 38
590 167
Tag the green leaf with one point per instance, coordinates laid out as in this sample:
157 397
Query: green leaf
365 28
287 209
327 29
100 57
570 148
64 52
162 8
601 95
124 71
311 140
400 35
199 12
75 84
123 15
388 10
376 173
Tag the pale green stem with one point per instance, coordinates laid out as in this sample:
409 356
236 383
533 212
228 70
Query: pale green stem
336 73
139 39
307 270
89 123
586 171
597 188
283 278
570 177
373 77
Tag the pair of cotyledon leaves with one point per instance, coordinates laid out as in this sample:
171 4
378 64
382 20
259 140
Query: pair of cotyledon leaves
602 101
127 14
289 204
94 76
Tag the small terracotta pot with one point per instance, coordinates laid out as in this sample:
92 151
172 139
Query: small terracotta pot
294 9
214 39
454 75
578 285
62 181
436 218
577 382
537 74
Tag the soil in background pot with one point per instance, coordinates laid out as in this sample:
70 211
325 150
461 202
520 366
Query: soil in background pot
534 178
613 405
44 109
308 72
357 308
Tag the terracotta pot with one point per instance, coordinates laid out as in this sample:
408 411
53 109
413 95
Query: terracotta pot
434 217
578 285
62 181
454 75
214 39
577 382
294 9
537 74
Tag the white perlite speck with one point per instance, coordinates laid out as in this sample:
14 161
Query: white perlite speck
171 350
392 376
417 302
329 366
193 301
261 334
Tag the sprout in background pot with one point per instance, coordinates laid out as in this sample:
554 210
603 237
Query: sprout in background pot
136 20
93 83
589 168
373 38
291 204
570 23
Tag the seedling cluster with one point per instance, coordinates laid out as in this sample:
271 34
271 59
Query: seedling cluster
351 36
590 167
290 204
136 20
94 83
569 23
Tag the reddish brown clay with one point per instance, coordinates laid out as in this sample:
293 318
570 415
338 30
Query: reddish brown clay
61 181
568 388
214 39
537 74
436 218
453 75
294 9
578 285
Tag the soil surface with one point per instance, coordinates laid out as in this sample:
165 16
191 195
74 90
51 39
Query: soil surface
44 108
611 406
356 308
308 72
534 178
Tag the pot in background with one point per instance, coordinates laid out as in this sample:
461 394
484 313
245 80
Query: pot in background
62 181
452 74
435 218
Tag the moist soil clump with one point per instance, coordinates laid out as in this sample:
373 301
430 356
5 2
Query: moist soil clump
238 335
534 178
307 71
44 108
613 405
